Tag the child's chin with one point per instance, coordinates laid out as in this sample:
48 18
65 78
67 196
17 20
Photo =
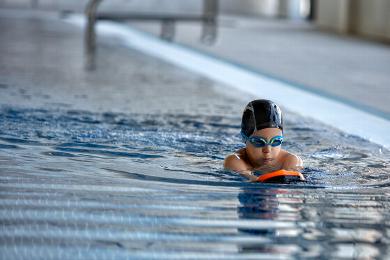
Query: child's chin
267 161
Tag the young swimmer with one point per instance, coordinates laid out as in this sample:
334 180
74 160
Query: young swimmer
262 133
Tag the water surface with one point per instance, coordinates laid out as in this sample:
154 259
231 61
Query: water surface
77 184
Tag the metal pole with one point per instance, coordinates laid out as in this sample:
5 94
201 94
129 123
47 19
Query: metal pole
90 36
167 29
312 14
210 11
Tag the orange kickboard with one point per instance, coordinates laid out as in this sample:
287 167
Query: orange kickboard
279 173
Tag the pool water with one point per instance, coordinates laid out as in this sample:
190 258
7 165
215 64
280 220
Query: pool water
77 184
126 162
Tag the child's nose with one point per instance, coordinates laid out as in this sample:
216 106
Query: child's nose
267 149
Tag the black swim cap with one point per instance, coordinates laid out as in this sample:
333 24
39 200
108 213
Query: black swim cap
260 114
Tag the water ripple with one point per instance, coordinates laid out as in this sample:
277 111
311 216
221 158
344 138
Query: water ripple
115 185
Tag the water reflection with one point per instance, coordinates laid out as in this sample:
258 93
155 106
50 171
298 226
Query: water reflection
155 184
264 204
326 223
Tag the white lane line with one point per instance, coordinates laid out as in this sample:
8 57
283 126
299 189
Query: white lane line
331 112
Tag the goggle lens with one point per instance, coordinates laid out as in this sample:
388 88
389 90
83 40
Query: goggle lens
276 142
258 141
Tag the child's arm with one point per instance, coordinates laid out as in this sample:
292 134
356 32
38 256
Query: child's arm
234 163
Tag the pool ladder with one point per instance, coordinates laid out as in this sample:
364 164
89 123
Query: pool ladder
208 18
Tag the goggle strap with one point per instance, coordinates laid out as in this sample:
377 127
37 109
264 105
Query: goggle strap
244 137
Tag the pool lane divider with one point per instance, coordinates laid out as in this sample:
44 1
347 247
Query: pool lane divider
329 111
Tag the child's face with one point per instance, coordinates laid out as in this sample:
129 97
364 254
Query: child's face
266 155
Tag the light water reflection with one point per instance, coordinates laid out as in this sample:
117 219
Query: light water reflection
78 185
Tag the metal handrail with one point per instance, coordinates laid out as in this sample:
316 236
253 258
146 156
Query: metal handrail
90 35
209 29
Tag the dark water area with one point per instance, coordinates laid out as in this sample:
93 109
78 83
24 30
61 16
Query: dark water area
81 185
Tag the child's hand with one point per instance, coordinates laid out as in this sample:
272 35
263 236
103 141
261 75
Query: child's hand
248 174
266 168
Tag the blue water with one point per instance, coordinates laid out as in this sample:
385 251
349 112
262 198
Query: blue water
81 185
78 182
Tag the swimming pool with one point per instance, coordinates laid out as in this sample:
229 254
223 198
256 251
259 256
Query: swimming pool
141 176
125 185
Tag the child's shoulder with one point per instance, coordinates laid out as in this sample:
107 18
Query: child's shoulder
291 161
235 159
237 155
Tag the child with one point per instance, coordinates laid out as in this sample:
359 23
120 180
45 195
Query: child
262 133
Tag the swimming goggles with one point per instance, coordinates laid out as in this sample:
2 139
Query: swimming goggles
258 141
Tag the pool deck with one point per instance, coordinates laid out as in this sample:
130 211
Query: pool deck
347 69
42 67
